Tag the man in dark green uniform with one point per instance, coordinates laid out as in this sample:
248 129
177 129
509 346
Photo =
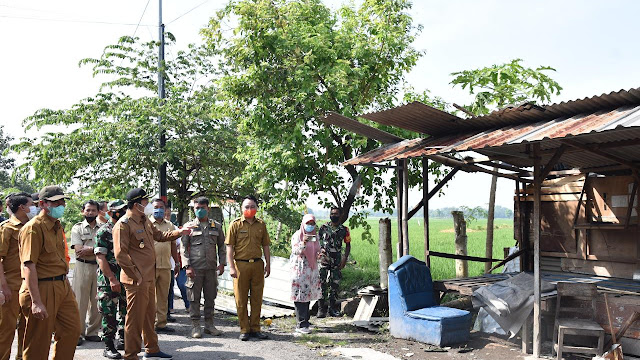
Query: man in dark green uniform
332 235
112 301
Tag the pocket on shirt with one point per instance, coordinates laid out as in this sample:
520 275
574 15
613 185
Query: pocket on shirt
50 245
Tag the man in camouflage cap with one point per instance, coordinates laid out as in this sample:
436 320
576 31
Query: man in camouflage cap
112 301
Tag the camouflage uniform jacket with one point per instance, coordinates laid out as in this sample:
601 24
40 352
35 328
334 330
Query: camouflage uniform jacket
331 240
104 245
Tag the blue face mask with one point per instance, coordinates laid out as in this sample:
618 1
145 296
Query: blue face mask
201 213
158 213
309 228
56 212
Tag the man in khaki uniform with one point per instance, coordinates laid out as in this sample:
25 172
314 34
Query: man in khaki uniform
202 250
163 266
246 241
85 271
46 298
23 210
133 245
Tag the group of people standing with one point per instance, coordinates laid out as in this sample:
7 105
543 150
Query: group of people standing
126 257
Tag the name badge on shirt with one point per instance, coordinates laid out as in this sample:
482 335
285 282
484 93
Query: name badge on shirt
196 233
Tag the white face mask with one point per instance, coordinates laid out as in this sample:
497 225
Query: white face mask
148 210
9 212
33 211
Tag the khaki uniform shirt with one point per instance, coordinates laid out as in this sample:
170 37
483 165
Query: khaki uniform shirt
9 252
163 249
247 239
133 246
42 243
83 234
199 248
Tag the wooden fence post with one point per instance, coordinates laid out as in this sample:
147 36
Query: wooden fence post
384 251
460 227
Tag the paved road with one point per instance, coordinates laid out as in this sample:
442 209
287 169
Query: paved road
227 347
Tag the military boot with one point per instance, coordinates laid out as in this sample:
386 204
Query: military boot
120 342
195 330
210 329
110 351
322 308
333 312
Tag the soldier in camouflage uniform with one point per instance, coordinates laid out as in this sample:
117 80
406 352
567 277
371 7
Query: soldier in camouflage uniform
332 235
112 301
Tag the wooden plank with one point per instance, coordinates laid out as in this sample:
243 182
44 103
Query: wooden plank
553 161
425 202
537 316
435 190
461 257
555 197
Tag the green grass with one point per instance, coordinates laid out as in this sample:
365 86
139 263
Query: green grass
441 238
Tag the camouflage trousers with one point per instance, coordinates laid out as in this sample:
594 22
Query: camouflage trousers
330 279
113 308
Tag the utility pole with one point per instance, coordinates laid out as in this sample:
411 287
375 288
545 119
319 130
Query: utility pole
163 166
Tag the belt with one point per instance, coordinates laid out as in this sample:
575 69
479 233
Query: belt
249 260
54 278
87 261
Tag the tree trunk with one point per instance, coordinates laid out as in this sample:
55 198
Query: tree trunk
460 227
384 251
492 205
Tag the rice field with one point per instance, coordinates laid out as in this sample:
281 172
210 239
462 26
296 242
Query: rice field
365 270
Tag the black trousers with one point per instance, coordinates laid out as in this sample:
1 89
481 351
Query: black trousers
302 314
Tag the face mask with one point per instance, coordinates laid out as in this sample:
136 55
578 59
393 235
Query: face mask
309 228
107 217
56 212
249 213
9 212
90 219
33 211
158 213
334 218
201 213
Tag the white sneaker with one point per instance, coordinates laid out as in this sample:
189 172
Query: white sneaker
303 330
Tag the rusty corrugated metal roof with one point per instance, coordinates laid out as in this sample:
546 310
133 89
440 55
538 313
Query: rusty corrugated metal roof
357 127
424 119
595 127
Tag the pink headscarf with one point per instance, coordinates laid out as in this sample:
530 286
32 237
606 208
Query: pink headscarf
312 248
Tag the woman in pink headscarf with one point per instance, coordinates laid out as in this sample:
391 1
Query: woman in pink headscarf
305 284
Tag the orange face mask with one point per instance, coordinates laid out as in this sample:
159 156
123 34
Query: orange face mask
249 213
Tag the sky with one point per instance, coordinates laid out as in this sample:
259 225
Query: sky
591 44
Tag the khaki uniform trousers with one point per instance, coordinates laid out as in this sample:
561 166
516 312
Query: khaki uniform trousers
10 314
163 280
63 320
250 280
141 312
85 284
205 280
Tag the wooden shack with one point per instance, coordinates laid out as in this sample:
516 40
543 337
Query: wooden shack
575 165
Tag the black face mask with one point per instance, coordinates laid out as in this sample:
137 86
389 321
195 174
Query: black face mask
334 218
90 219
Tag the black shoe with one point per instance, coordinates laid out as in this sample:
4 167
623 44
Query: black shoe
110 351
93 338
165 330
259 335
334 313
171 319
244 336
157 355
80 341
120 344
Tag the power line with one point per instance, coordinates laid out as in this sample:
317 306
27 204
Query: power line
69 20
141 16
197 6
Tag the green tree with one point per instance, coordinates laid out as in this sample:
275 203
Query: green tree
108 143
495 87
287 63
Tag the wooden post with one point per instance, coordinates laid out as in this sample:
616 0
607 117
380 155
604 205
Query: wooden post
488 253
405 208
537 315
460 227
384 251
399 173
425 208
